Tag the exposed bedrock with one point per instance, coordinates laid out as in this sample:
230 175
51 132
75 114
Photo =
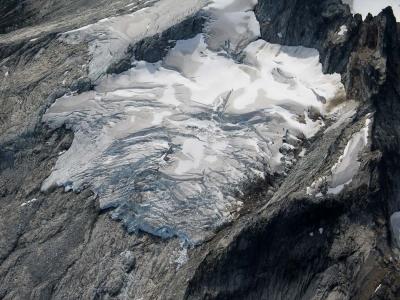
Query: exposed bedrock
19 17
154 48
311 24
277 255
367 56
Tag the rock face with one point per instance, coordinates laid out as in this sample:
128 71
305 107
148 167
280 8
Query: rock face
284 256
18 14
316 26
287 243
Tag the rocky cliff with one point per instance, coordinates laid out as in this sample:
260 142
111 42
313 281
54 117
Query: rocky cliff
294 239
275 256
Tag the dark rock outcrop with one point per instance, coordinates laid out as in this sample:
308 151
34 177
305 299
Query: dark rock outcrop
311 24
154 48
17 14
11 15
334 247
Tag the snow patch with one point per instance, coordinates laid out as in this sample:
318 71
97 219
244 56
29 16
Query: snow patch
343 30
109 38
28 202
303 152
378 288
348 164
346 167
182 256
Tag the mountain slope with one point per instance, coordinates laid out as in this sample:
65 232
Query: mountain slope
318 229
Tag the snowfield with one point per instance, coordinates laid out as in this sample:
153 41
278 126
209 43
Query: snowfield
168 145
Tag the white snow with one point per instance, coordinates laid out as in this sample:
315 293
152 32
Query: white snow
28 202
337 189
377 288
343 30
234 25
316 185
109 38
182 256
347 165
303 152
169 143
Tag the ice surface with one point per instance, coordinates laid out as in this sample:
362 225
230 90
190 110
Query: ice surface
343 30
346 167
348 163
169 144
374 7
109 38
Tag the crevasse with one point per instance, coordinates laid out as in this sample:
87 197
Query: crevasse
168 145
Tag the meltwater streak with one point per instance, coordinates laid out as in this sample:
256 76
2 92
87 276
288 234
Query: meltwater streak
168 144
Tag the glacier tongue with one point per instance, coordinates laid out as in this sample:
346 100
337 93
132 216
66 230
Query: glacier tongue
168 144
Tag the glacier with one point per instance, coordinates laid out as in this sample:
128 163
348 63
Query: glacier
168 146
109 38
